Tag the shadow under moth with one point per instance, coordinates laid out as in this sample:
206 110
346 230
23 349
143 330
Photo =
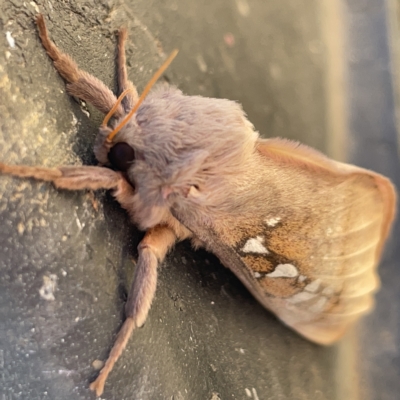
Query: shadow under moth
302 232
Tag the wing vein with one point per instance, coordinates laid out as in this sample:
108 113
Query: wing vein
355 253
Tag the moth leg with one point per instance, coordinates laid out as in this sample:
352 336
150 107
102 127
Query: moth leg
79 83
123 82
71 178
152 250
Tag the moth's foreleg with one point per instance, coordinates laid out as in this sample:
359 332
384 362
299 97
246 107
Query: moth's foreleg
80 83
123 82
71 178
152 250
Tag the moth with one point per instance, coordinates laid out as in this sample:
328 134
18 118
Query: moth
302 232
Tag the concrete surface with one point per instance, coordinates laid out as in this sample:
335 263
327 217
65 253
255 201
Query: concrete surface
206 337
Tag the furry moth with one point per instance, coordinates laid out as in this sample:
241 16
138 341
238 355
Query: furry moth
302 232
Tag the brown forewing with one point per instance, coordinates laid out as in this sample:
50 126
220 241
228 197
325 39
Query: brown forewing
310 254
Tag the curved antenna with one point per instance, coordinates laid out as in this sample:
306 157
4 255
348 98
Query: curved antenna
146 90
115 106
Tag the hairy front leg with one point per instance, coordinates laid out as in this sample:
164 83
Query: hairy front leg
71 178
79 83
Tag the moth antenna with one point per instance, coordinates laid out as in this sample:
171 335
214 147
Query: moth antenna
146 90
115 106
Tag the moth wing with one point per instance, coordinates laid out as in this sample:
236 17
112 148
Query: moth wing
309 250
350 222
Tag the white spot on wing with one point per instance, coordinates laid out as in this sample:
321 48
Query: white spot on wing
10 39
319 305
302 296
313 286
328 291
255 245
272 221
257 275
302 278
284 271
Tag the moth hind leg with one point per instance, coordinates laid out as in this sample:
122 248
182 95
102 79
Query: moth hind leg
79 83
123 82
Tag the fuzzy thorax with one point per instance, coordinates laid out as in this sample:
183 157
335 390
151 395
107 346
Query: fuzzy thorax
188 148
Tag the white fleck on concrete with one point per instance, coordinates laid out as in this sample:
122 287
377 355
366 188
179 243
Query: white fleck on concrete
10 39
35 6
272 221
21 228
48 288
275 71
243 7
302 296
255 396
319 305
98 364
78 222
313 286
74 120
284 271
255 245
201 63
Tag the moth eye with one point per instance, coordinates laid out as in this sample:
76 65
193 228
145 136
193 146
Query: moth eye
121 156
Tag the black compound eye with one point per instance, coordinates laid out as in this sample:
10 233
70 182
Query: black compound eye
121 156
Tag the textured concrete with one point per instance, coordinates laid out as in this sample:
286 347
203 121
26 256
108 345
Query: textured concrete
206 337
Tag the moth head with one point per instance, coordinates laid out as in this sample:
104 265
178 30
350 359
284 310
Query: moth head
175 147
120 154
